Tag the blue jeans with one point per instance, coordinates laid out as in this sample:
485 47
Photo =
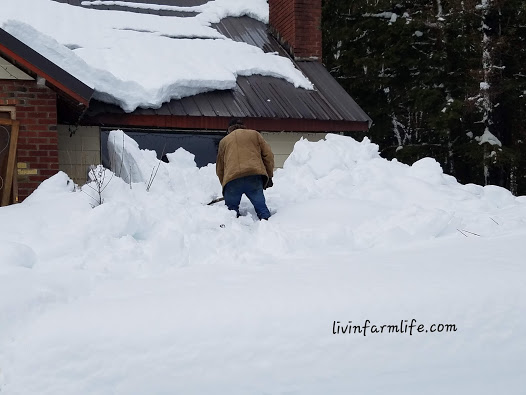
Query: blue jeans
252 187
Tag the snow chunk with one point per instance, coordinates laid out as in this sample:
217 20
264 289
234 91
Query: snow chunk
182 158
498 196
128 161
16 254
488 137
484 86
335 152
392 16
54 188
383 15
483 5
427 169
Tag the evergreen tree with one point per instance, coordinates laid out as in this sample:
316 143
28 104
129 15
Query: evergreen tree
442 79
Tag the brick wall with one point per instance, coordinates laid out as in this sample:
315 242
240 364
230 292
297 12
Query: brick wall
297 25
37 153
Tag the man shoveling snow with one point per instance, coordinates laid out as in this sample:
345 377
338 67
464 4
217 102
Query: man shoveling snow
245 165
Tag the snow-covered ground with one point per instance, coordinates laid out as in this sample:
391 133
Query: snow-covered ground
155 292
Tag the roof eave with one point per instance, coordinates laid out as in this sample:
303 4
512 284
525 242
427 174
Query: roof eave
32 62
219 123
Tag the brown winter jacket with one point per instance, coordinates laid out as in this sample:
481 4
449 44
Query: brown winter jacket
241 153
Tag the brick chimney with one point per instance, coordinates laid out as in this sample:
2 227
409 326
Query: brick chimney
297 26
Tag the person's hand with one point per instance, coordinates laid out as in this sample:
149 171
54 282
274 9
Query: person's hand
268 184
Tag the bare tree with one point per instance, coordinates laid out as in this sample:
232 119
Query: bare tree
98 183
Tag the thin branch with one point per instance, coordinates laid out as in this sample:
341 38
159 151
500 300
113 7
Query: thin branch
88 185
150 180
462 233
467 231
122 156
152 177
108 183
89 196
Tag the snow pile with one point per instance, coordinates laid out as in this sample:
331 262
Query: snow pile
387 202
145 60
157 292
161 208
180 177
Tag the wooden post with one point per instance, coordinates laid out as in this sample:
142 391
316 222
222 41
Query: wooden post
14 188
10 172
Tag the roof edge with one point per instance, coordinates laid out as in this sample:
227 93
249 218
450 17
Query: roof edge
24 56
221 123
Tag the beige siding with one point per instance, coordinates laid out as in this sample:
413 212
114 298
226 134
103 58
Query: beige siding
282 143
10 72
78 152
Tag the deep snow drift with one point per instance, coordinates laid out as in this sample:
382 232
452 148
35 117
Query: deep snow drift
157 292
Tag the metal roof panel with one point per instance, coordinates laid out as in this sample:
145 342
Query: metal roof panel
257 96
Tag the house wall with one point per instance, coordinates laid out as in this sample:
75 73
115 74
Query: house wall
83 149
37 153
78 151
282 143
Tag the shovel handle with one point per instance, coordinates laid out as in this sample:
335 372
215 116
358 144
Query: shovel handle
216 201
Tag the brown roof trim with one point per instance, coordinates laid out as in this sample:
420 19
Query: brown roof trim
24 56
221 123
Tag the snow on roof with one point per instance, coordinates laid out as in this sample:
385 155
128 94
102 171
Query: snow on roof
142 60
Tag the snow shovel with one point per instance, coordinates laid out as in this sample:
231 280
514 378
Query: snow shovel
216 201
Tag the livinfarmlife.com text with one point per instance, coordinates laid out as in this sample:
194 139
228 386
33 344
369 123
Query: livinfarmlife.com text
409 327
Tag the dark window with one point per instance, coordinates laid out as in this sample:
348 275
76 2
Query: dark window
202 144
